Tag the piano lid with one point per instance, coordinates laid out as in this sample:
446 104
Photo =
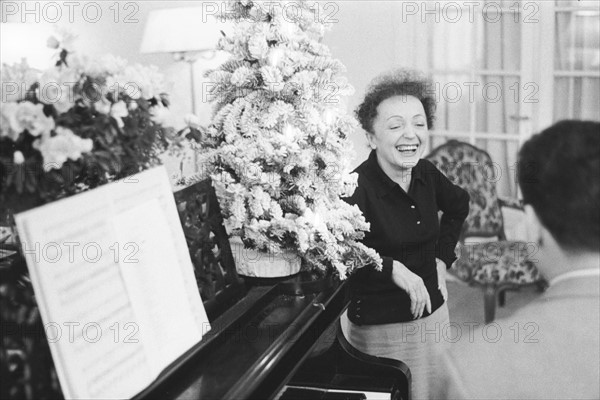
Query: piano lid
254 347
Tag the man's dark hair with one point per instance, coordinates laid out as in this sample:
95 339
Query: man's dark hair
559 175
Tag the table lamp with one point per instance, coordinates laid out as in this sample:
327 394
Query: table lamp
188 33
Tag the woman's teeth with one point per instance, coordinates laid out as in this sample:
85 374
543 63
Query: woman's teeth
407 148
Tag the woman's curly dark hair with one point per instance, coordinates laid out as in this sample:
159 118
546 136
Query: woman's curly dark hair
397 82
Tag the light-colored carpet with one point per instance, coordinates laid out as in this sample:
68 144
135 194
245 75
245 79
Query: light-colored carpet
465 303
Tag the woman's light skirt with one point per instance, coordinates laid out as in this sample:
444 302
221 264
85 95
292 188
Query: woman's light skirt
416 343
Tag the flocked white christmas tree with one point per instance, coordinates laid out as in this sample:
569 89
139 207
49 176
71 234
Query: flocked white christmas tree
277 149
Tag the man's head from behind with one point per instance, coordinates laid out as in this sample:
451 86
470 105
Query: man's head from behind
559 175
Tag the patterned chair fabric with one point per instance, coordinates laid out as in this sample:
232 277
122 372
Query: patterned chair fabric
473 170
496 265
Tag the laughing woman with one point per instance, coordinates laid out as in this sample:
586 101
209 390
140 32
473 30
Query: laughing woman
400 312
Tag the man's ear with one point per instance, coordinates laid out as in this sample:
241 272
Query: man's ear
534 226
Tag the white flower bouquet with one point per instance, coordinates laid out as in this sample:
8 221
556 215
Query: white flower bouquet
79 124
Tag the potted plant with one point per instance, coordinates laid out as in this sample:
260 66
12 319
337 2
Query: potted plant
277 149
79 124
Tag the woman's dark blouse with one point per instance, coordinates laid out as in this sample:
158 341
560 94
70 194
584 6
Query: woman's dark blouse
404 227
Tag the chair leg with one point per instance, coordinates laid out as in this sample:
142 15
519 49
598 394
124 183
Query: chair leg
501 298
541 286
489 299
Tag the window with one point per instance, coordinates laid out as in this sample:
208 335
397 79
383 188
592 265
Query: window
504 69
576 72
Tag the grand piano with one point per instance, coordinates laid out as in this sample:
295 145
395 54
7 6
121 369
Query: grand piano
269 339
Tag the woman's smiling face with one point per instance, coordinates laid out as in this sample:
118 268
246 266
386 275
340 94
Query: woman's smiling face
400 133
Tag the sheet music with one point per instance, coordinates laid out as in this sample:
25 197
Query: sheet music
115 285
149 276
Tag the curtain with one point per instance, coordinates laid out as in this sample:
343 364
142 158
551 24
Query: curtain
577 53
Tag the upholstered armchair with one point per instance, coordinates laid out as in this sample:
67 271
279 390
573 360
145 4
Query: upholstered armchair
488 259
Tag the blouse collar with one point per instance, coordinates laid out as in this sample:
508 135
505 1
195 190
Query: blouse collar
383 183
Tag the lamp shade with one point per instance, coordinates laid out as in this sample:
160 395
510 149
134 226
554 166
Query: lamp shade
182 29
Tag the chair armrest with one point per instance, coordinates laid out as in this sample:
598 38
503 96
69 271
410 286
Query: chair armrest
517 204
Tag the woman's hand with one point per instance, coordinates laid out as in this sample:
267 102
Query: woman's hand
414 286
441 273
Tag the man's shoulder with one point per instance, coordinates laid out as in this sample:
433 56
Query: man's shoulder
538 350
508 334
548 318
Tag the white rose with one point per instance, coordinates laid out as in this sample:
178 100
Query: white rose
56 88
9 126
18 158
192 121
65 145
160 114
80 62
119 111
78 145
16 80
31 117
137 81
85 145
52 42
54 151
102 106
111 64
66 37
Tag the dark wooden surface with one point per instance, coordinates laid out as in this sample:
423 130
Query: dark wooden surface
214 268
279 336
255 347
